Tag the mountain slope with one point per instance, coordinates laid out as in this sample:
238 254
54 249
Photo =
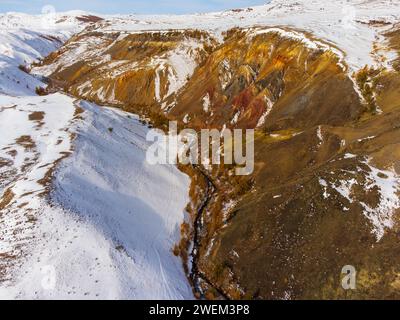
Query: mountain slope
319 83
26 39
100 230
76 215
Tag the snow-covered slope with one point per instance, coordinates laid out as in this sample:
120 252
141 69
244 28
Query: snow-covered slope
109 229
25 39
82 214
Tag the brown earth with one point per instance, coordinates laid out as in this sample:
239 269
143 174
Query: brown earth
283 237
36 116
6 199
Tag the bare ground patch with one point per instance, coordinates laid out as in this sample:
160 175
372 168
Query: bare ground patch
5 162
26 142
37 117
8 196
13 153
78 111
46 180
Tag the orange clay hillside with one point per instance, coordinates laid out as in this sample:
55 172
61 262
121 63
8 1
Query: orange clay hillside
324 193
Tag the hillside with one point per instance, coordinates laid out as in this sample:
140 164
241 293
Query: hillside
319 83
76 218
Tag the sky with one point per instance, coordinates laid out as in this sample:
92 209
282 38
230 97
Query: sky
127 6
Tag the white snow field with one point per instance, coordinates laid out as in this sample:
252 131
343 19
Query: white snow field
105 225
26 38
111 224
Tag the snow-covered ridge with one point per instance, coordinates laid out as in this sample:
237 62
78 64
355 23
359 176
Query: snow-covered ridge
343 23
346 24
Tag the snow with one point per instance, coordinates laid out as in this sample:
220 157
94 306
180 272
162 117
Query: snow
105 235
227 209
235 117
349 156
157 89
183 62
90 49
344 188
178 65
209 248
388 184
324 184
186 118
340 26
225 74
264 116
320 136
366 138
175 66
97 233
235 253
206 103
25 39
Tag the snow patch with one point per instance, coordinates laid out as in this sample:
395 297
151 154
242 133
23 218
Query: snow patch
206 103
388 184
